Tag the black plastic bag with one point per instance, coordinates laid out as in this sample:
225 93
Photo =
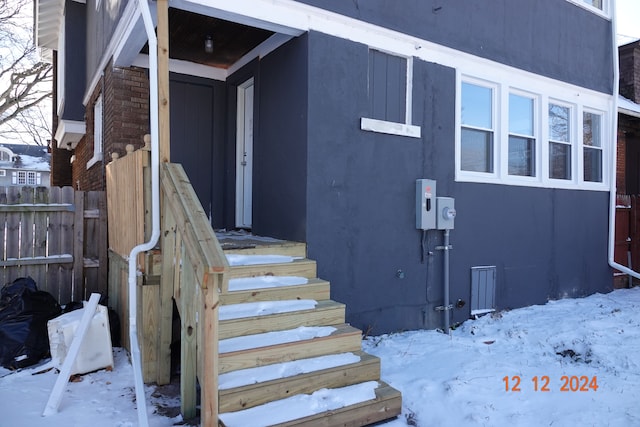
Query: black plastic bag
24 313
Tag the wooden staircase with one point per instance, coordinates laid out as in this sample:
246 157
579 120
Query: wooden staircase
283 340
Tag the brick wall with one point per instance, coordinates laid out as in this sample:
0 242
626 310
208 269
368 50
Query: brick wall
630 71
125 98
621 150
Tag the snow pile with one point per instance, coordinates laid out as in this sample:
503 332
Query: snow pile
302 405
264 308
262 282
99 399
471 378
261 374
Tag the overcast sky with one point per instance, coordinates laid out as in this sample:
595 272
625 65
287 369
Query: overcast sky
628 21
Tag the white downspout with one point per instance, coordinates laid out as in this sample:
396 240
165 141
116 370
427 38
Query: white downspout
155 214
614 146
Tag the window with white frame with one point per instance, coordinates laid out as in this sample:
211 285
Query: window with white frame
510 134
97 132
522 139
477 133
559 141
592 146
3 172
390 86
5 156
26 178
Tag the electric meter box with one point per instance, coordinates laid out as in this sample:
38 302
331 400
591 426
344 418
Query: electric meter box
425 204
446 213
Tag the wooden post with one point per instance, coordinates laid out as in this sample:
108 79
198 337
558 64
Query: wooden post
163 80
209 378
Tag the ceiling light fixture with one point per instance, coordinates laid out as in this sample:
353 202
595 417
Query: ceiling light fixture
208 44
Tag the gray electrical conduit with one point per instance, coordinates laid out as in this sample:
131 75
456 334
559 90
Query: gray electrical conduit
614 146
141 402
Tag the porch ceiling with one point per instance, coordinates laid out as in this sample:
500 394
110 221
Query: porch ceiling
231 41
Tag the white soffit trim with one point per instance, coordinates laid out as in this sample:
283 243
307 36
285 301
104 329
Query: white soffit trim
47 19
298 16
628 107
69 133
185 67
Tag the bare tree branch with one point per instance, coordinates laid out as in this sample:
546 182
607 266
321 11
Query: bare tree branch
25 81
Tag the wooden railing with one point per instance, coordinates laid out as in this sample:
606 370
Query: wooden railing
193 270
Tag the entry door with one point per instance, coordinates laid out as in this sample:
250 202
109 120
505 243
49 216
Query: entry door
244 155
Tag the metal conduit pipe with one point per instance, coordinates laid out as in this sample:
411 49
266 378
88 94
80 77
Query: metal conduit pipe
141 403
614 145
447 306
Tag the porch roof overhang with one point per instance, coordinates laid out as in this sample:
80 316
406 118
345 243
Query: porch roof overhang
47 20
69 133
628 107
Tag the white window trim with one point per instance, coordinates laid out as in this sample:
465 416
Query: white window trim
496 119
97 132
394 128
3 172
504 154
544 91
606 7
603 125
572 143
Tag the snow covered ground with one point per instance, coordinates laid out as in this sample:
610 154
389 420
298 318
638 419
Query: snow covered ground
591 346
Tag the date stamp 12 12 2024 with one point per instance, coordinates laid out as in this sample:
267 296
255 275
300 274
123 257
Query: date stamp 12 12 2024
568 383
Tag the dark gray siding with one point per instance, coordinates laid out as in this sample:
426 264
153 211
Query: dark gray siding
101 25
280 153
361 210
197 138
545 37
74 41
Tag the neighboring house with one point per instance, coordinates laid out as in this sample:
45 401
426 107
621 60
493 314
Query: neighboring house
24 165
628 167
311 120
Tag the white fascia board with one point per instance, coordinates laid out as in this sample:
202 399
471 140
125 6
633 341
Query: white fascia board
301 17
186 67
260 51
69 133
628 107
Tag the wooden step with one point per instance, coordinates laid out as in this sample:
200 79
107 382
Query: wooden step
248 247
325 313
386 404
238 398
315 289
300 267
344 339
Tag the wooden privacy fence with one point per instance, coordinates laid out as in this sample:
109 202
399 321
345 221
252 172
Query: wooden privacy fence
57 236
627 236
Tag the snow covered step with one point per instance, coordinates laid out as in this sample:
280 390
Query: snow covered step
267 288
354 405
294 249
286 379
283 346
280 315
297 267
